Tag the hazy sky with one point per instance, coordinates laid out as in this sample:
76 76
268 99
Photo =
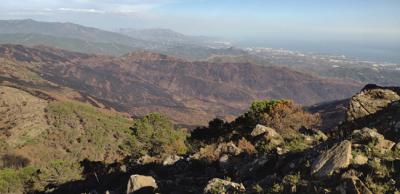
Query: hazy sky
373 20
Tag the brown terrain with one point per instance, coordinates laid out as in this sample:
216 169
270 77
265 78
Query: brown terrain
61 130
190 93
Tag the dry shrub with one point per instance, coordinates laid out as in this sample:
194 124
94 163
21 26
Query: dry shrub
246 146
208 153
287 117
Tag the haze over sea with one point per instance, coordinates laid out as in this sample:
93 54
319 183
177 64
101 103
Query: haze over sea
367 29
388 52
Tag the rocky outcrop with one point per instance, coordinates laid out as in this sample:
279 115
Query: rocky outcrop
370 100
375 107
138 183
339 156
366 135
360 159
171 160
261 129
266 136
371 136
220 186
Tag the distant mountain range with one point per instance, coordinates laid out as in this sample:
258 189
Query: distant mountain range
66 30
78 38
95 41
191 93
172 38
72 44
332 66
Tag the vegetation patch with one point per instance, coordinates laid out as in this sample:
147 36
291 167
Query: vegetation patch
81 125
157 135
16 180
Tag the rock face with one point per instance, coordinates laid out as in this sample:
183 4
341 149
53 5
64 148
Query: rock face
370 101
375 107
339 156
220 186
140 183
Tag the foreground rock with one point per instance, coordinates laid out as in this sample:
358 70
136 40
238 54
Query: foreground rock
220 186
261 129
360 159
371 136
339 156
266 136
140 183
352 185
370 101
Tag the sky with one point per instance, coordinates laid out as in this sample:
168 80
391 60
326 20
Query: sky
301 21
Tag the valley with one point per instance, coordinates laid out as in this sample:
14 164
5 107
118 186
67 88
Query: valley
194 92
91 111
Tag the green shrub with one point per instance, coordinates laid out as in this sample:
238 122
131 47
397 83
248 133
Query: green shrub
259 108
157 135
296 144
216 129
60 171
17 180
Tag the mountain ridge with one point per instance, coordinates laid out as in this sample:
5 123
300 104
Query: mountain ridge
92 40
144 82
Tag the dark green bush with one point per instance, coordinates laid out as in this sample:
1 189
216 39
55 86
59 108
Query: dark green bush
157 135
